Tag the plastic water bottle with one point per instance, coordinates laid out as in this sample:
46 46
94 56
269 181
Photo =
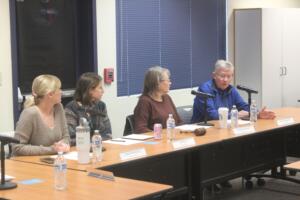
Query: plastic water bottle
234 116
97 147
253 112
83 142
60 172
170 128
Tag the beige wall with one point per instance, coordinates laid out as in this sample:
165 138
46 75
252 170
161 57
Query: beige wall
118 107
6 102
235 4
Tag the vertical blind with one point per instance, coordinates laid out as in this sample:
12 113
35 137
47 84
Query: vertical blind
185 36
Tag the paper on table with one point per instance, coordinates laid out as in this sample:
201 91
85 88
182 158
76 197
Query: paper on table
241 122
8 177
190 127
122 141
70 156
138 137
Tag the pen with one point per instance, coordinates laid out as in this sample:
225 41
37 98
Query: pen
116 140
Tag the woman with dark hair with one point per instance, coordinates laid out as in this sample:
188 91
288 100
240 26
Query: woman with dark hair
87 103
155 105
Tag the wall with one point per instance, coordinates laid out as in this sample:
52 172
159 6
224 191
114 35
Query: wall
6 102
118 107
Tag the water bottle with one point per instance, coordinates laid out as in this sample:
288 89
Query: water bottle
234 116
170 128
97 147
253 112
83 142
60 172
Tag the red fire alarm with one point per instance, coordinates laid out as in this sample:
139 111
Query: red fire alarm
108 75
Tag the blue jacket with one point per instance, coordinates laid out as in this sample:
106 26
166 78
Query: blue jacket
223 98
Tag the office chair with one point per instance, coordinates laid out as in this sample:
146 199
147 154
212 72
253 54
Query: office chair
129 125
185 113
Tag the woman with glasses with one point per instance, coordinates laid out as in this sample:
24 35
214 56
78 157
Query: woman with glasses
154 105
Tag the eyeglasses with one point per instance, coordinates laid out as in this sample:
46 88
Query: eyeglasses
168 80
224 76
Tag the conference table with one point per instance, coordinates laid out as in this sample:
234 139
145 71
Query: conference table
37 182
221 154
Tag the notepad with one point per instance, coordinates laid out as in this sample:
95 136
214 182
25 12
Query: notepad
190 127
73 155
122 141
138 137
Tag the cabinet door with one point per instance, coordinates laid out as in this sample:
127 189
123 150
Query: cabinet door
248 51
291 54
271 58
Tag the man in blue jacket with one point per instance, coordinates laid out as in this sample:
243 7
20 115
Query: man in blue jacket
225 95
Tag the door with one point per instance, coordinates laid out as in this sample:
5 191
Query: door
272 58
291 53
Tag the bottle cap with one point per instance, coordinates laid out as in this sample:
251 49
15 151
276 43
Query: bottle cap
82 121
96 132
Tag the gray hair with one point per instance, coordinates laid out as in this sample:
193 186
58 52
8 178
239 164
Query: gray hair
153 77
223 64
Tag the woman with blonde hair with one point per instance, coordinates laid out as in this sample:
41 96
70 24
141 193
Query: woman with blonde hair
155 105
42 127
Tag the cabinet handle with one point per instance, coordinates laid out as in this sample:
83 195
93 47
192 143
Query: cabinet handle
285 70
281 71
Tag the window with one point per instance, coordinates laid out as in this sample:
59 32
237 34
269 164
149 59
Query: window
52 37
186 36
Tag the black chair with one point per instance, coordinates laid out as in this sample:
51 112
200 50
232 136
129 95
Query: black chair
185 113
129 125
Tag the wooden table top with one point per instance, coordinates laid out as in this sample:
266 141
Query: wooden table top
79 185
214 134
293 166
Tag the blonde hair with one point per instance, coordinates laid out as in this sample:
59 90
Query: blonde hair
42 85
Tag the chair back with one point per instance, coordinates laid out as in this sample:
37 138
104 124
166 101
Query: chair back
129 125
185 113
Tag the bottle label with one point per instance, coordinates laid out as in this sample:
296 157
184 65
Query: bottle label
97 142
61 167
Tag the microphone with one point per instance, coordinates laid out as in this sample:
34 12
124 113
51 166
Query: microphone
202 94
249 90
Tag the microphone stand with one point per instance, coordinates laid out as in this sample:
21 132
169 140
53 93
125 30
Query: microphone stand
204 123
5 184
249 103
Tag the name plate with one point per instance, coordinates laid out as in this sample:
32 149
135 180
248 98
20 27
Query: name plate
136 153
243 130
183 143
285 121
105 175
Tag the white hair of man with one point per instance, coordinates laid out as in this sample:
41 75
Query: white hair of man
223 64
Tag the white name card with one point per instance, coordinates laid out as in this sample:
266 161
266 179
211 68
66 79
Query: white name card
285 121
105 175
183 143
136 153
243 130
